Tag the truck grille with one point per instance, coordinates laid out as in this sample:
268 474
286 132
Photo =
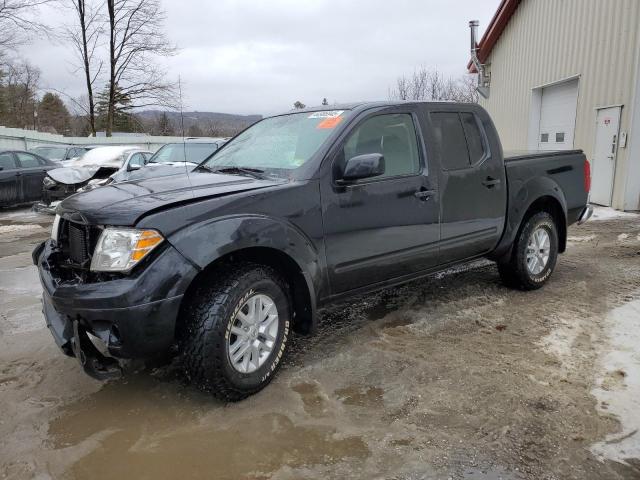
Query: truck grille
77 242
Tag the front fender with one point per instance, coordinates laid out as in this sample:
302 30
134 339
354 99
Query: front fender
208 241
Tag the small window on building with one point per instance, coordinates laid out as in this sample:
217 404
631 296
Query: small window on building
544 137
560 137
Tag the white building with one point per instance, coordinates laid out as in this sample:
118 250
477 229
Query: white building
564 74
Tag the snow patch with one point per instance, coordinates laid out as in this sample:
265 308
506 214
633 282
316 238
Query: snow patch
618 387
586 238
623 236
19 228
559 342
606 213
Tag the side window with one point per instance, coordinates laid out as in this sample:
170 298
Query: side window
449 134
475 143
137 160
27 160
6 161
393 136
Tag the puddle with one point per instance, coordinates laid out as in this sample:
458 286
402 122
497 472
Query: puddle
144 432
618 388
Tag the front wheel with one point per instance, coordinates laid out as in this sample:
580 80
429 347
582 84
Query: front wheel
237 331
534 254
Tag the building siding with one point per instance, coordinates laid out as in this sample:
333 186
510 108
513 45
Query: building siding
549 40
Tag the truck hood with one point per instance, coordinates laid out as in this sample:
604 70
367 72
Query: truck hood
124 203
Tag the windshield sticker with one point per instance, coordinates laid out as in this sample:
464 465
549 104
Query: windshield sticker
326 114
329 122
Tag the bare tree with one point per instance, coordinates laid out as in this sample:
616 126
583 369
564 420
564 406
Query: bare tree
85 36
17 22
18 95
136 39
426 84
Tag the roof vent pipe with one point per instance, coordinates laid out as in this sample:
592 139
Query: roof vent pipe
483 78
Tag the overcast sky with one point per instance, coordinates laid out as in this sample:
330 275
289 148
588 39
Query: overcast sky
254 56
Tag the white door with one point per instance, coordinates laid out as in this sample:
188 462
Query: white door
558 116
603 163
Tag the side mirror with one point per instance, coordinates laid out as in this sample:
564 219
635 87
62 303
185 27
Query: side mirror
363 166
133 167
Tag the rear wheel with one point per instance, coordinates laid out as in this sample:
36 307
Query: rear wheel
534 254
237 328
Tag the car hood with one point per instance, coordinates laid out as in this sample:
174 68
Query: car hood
72 175
125 203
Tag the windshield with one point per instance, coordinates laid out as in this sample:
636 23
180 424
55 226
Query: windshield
278 143
52 153
181 152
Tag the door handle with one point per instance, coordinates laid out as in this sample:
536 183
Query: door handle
424 195
491 182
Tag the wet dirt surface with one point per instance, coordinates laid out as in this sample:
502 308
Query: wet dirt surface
454 377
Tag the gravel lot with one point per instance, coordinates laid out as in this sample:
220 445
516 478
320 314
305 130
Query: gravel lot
450 377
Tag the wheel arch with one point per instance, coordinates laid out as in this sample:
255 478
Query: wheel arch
301 288
552 206
540 194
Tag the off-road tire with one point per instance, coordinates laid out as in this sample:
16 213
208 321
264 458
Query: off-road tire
514 271
206 319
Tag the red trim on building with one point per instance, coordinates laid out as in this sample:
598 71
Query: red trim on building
500 19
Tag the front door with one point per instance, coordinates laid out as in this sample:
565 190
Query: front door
384 227
603 163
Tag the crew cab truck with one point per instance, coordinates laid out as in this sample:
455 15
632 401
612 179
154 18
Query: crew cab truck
300 210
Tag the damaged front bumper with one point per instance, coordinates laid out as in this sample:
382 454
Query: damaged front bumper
99 321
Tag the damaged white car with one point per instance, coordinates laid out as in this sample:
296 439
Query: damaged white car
94 168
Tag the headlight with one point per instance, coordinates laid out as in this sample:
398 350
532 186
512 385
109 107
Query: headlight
119 249
54 228
48 182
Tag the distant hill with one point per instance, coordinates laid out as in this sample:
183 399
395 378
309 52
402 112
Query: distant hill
216 123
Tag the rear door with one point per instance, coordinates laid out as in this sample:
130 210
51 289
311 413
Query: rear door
33 170
9 180
472 185
384 227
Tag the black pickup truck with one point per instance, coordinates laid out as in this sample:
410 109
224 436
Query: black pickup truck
298 211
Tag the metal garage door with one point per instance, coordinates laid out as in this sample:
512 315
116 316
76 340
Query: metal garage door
558 116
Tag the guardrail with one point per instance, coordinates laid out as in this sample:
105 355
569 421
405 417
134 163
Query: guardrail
20 139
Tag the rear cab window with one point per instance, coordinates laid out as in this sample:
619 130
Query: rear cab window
460 138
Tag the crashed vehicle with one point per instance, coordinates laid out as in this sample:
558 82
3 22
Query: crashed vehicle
300 211
173 158
93 169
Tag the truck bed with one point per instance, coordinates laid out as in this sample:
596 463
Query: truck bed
564 168
514 155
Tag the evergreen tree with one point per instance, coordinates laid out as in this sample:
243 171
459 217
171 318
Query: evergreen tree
53 114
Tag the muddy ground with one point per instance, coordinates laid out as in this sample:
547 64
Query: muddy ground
454 377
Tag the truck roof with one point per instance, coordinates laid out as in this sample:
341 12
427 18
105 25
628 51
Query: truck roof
365 105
